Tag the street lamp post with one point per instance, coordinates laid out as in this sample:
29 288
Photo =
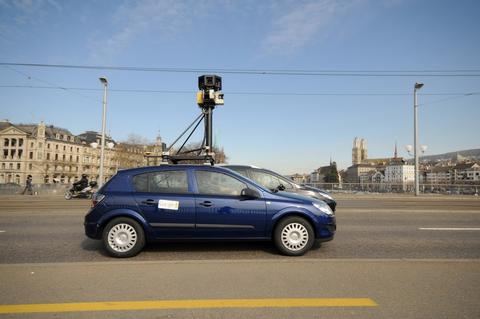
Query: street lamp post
102 146
417 87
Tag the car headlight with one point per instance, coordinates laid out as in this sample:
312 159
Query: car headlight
324 208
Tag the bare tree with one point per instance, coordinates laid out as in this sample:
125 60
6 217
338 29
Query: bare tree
136 139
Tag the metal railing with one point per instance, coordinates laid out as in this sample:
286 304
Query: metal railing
449 189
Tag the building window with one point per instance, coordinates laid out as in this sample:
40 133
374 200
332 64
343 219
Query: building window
71 158
48 156
48 145
6 142
63 157
20 153
5 153
20 142
14 142
56 157
18 166
30 156
64 147
56 146
71 148
78 150
13 152
31 144
10 165
78 159
30 166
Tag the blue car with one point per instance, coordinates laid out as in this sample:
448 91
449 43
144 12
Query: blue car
193 202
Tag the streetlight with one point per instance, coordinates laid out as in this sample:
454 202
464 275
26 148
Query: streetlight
102 148
417 87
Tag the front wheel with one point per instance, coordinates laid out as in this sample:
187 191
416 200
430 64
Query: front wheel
68 194
294 236
123 237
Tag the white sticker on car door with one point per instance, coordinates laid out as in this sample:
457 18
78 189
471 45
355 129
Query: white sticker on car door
168 204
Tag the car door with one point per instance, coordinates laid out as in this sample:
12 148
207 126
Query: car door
221 211
165 200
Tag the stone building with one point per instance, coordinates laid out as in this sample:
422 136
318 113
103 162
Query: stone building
55 155
359 151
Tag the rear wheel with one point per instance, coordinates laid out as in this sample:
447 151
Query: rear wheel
294 236
123 237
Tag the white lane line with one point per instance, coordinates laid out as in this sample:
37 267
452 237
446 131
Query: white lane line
2 231
450 228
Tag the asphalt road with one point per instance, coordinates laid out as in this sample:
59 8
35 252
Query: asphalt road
412 257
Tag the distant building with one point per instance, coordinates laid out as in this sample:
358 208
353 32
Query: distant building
398 173
359 151
324 173
54 155
300 178
466 172
357 172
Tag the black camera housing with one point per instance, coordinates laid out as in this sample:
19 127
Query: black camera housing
210 82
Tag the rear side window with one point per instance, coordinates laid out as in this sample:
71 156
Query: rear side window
161 182
213 183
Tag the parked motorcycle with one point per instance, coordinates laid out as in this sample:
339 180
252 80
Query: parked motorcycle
87 192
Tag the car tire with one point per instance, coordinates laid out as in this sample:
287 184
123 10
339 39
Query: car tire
294 236
123 237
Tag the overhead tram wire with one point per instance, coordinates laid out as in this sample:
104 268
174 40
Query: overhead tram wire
450 95
53 85
237 92
284 72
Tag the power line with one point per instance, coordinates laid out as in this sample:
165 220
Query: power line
454 94
284 72
52 85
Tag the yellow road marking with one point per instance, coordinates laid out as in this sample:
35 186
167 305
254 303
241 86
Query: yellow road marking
188 304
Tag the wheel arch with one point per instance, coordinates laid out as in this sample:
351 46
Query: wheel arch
127 213
292 213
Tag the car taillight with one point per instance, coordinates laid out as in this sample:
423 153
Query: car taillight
97 198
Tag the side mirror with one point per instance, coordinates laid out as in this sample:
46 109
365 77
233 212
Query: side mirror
249 193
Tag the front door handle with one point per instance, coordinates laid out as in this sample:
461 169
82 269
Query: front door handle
206 204
149 202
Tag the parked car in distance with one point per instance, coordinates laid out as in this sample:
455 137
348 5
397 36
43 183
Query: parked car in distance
197 202
275 181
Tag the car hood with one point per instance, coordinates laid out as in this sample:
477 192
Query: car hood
301 198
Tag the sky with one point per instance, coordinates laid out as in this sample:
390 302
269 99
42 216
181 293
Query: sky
290 123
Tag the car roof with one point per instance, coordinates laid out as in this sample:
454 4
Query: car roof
166 167
240 166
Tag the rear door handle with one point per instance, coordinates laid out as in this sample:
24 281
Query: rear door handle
206 204
149 202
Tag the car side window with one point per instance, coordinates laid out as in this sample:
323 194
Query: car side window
268 180
286 183
168 182
214 183
140 182
162 182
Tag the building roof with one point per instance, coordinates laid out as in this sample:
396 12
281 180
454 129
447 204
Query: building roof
464 166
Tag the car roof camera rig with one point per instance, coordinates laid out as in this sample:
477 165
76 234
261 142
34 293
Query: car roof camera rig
208 97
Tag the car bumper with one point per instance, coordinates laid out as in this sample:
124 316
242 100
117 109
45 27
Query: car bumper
325 232
92 230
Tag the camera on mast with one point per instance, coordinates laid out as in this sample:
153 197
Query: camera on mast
210 94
